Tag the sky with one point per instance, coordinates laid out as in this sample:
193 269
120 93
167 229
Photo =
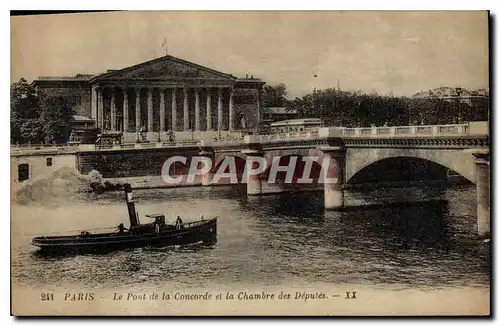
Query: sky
397 53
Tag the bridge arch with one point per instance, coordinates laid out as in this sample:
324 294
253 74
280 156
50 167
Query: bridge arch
460 161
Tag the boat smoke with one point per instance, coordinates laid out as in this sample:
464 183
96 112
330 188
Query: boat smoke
61 185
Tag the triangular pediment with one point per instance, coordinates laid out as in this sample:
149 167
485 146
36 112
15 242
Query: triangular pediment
166 67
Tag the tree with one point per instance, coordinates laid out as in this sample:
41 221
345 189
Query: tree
24 113
37 117
337 108
56 115
274 95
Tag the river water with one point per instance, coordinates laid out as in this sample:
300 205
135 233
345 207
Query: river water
267 240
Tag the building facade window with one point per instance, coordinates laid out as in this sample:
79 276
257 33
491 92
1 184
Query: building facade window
49 161
23 172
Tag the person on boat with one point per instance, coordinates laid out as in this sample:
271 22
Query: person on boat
178 223
121 228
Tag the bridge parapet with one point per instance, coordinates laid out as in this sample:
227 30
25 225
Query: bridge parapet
306 135
477 128
43 149
73 148
471 128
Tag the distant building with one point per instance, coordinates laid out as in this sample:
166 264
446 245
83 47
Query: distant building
455 93
273 114
295 125
82 123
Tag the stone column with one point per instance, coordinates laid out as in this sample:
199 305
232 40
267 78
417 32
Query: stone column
254 182
174 109
137 113
100 109
186 110
93 99
209 109
162 110
334 194
197 109
231 110
219 110
150 110
113 110
125 110
483 193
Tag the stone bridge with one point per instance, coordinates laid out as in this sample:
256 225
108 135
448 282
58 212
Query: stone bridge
355 155
461 148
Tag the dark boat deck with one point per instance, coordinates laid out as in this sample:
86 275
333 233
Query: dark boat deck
204 231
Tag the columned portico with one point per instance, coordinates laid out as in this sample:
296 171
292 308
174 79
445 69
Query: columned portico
159 110
157 87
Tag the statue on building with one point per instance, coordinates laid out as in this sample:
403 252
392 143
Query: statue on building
243 122
143 132
72 136
170 135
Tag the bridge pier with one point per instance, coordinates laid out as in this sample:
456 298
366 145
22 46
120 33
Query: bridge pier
333 177
253 181
483 193
206 178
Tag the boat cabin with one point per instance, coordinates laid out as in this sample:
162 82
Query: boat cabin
159 218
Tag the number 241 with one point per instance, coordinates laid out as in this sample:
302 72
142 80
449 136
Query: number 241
47 296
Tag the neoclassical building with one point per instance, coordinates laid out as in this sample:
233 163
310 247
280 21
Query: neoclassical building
163 94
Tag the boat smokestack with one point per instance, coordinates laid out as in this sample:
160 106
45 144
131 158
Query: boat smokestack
132 214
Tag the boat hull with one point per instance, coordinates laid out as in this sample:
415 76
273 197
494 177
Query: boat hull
197 232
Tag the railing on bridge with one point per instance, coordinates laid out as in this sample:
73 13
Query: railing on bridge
437 130
471 128
283 136
71 148
179 143
34 148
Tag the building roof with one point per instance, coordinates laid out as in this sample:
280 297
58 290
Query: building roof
279 110
447 92
78 77
164 67
295 122
81 118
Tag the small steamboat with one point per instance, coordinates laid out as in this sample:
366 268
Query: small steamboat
154 234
